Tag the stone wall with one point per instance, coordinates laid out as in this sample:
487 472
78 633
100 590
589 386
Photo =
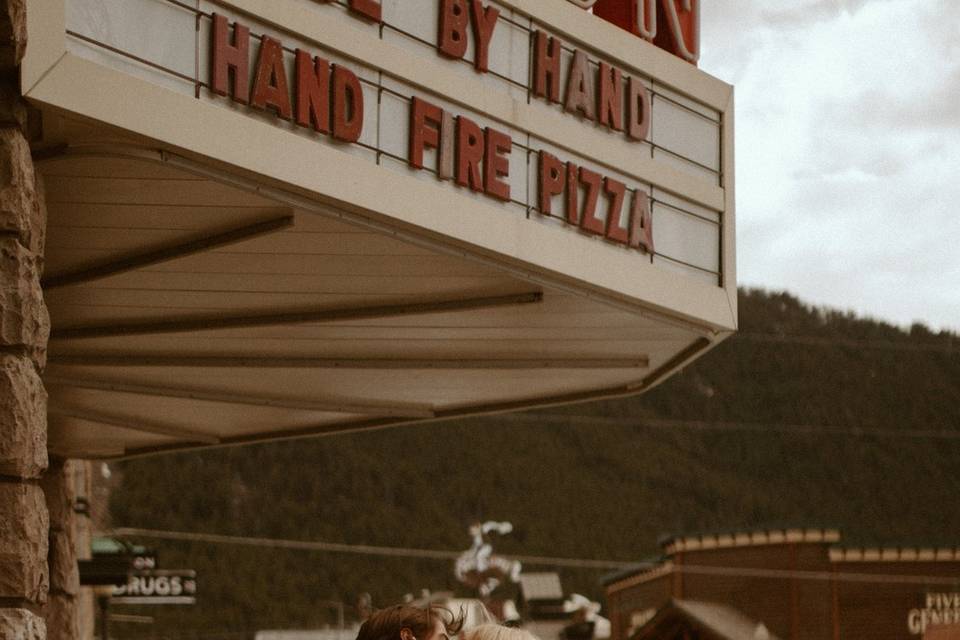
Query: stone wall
24 329
61 612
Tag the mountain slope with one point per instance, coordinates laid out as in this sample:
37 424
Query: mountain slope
806 417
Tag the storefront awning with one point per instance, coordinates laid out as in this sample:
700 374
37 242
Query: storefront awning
218 274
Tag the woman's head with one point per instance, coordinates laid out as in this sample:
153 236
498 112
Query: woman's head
407 622
497 632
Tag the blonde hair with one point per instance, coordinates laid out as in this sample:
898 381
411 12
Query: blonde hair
490 631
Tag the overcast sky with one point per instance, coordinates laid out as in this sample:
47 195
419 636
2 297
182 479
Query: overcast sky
848 150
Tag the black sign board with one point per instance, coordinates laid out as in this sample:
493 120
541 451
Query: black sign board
104 570
174 586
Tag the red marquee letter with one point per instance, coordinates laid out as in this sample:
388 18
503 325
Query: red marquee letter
347 105
452 40
616 190
546 63
579 87
610 105
484 21
573 193
469 154
446 162
641 223
589 221
368 8
422 135
551 181
313 92
638 110
230 60
270 80
496 164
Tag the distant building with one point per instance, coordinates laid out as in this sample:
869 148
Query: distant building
541 596
794 584
704 621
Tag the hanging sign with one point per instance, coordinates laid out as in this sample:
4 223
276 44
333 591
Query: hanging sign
173 586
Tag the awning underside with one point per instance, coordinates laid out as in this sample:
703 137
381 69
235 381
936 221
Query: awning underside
187 311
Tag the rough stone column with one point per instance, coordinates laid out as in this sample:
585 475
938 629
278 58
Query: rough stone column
24 328
61 613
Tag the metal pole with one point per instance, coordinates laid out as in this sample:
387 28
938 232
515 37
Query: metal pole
104 602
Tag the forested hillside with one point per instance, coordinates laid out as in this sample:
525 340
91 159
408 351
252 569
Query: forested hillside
806 417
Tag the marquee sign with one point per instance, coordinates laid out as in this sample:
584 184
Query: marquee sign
550 173
671 24
546 199
329 100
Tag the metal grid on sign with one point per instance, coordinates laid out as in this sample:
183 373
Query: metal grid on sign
658 93
530 153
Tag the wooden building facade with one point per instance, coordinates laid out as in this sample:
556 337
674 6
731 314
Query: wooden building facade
796 584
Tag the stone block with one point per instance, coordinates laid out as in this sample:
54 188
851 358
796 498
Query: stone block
37 242
23 418
21 208
20 624
24 320
24 542
62 616
13 33
59 489
62 563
